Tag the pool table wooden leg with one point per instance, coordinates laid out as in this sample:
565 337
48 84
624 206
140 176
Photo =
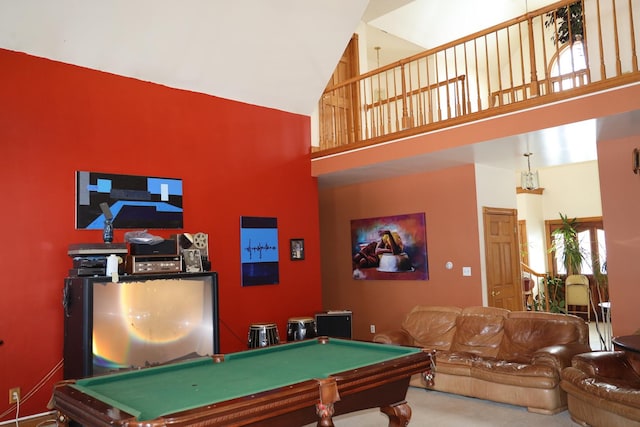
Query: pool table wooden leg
399 414
325 412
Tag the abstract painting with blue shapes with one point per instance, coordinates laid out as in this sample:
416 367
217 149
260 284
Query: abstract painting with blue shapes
134 201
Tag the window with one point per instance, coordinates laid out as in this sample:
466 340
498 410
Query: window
569 68
592 244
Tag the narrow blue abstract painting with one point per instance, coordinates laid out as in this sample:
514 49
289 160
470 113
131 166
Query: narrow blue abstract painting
259 251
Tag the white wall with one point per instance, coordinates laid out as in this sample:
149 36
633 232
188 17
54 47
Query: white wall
530 210
571 189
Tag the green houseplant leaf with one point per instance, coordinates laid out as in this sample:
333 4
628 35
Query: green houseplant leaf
569 21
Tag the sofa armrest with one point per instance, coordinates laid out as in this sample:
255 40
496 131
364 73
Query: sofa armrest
397 337
559 356
603 364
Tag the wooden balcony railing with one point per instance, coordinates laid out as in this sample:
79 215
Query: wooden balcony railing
530 60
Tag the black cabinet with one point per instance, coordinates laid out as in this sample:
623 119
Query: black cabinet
140 321
335 324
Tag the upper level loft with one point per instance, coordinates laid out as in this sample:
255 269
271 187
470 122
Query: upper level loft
563 51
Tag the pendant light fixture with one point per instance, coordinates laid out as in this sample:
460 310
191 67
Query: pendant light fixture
529 179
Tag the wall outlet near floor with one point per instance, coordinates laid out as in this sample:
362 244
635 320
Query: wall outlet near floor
14 395
466 271
372 328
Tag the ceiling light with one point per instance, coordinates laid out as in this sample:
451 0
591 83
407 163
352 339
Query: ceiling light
529 180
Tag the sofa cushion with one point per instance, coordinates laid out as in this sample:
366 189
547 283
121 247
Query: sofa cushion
527 332
432 327
517 374
455 363
479 331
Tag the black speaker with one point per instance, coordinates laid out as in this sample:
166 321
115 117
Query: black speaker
335 324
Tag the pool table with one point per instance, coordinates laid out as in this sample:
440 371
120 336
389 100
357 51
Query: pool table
289 384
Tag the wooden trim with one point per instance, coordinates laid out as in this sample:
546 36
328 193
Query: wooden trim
499 211
538 191
579 219
523 240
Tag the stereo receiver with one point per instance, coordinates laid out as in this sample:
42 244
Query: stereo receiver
151 264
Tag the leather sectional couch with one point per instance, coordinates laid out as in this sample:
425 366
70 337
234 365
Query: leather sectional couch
603 389
512 357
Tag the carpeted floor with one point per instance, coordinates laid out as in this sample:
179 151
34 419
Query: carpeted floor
433 408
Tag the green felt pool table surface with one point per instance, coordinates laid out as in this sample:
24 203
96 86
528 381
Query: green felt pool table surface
161 392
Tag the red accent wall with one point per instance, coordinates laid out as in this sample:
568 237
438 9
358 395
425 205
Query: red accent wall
234 159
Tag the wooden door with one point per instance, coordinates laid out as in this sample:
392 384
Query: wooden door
339 118
504 280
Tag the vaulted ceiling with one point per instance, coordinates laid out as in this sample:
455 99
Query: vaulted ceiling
277 54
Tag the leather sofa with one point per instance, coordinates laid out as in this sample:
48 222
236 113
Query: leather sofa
603 389
512 357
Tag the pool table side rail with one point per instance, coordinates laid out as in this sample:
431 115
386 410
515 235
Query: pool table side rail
385 372
258 407
391 351
85 409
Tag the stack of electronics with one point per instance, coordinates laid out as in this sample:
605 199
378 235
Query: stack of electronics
182 252
160 257
90 259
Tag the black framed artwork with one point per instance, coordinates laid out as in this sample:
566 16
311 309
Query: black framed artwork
192 260
296 248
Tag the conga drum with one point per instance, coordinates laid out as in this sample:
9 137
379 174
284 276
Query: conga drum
300 328
263 335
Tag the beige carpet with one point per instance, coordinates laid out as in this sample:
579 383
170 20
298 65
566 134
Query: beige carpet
437 409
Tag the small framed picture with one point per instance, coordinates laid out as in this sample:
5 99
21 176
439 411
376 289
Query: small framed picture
296 249
192 260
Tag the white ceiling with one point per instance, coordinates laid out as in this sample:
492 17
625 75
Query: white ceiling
277 53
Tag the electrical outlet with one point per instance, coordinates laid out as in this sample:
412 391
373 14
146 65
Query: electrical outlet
14 395
372 328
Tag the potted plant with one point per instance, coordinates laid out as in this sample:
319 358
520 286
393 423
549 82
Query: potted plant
551 297
565 242
569 23
568 243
